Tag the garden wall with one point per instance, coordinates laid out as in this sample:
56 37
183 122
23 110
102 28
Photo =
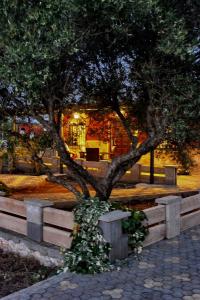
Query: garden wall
40 222
138 173
172 215
37 220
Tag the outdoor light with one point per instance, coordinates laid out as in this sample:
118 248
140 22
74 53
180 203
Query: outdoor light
76 116
22 131
32 135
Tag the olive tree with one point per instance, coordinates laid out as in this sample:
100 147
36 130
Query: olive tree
137 59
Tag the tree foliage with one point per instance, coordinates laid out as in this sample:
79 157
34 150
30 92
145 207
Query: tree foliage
139 55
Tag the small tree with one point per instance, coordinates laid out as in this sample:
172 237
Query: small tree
140 56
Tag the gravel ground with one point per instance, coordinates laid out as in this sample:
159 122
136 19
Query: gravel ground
17 273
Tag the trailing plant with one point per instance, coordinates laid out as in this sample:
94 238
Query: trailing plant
136 229
135 226
89 251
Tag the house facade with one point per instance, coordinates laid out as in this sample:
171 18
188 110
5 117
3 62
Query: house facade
92 136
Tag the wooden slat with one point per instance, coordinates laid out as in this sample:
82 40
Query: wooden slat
58 217
96 168
144 178
156 233
190 220
13 223
155 214
57 237
190 203
12 206
127 177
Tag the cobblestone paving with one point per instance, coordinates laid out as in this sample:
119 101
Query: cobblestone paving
167 270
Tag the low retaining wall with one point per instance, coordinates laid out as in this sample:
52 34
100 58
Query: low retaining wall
37 220
172 215
138 173
41 223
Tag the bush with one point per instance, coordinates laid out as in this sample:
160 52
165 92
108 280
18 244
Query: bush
135 226
89 251
136 229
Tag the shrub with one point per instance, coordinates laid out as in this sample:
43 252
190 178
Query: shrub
136 229
135 226
89 251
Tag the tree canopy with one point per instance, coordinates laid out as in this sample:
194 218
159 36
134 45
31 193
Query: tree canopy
142 55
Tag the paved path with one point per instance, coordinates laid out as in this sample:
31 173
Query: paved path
167 270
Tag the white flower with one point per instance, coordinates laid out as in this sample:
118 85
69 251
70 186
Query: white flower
65 269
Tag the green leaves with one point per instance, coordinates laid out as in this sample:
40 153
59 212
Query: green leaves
32 37
173 36
144 53
89 251
136 229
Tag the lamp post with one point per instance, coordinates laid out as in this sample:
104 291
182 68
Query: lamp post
151 179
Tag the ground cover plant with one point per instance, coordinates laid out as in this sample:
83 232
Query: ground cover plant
17 272
89 252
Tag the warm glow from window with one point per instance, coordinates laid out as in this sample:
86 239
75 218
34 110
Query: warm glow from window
76 116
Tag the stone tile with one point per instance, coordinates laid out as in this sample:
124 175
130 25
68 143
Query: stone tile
114 294
67 285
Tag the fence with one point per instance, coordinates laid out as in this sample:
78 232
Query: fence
41 222
138 173
37 220
172 215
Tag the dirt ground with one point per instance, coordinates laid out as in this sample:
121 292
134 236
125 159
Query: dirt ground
17 273
142 195
64 199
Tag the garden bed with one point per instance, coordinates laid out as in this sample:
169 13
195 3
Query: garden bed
140 197
17 273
